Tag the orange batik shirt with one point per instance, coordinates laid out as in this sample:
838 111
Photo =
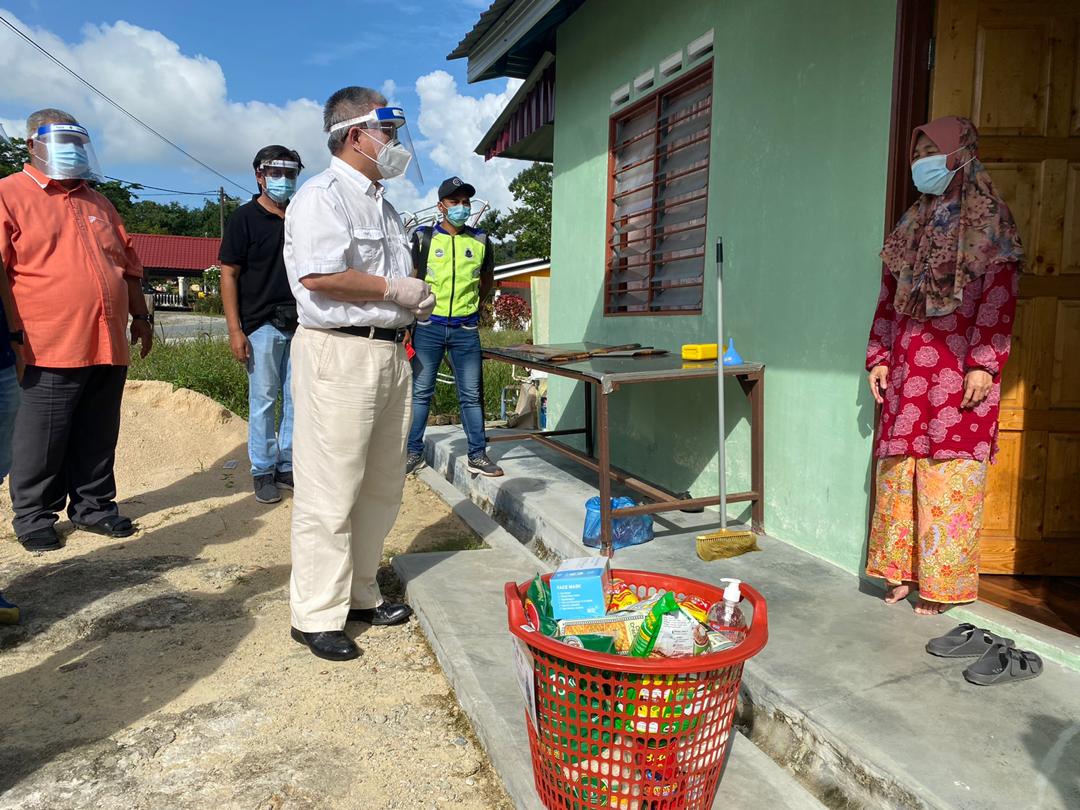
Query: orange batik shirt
68 258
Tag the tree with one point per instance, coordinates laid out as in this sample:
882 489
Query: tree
13 154
494 225
528 224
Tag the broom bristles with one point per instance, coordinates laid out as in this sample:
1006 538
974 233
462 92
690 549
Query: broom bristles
726 543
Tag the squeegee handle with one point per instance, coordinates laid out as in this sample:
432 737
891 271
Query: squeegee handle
721 459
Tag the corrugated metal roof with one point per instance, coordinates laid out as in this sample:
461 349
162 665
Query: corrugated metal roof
483 25
162 252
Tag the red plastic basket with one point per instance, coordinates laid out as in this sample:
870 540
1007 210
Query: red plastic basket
628 733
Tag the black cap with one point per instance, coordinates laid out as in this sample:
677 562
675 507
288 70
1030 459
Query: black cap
452 186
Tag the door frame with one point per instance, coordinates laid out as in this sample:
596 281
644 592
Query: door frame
910 99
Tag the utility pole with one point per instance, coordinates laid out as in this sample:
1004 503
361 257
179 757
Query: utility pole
221 210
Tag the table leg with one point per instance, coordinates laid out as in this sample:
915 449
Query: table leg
589 449
757 453
604 464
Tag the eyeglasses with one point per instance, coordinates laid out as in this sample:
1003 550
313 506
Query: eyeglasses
387 128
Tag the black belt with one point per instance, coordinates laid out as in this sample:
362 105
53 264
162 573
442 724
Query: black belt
373 332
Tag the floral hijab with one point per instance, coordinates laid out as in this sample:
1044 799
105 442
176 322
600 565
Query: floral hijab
945 241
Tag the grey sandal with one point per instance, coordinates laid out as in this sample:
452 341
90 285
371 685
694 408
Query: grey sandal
965 641
1004 663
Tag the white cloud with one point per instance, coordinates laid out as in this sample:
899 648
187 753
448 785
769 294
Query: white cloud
451 125
185 97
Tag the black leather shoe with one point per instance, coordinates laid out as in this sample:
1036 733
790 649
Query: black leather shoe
385 614
41 540
332 645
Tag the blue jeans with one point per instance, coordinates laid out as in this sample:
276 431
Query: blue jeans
9 406
432 341
270 450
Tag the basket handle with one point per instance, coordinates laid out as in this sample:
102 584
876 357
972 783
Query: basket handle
512 595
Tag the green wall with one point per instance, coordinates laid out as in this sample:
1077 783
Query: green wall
801 109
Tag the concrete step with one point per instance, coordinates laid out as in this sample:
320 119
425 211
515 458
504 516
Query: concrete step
844 694
458 600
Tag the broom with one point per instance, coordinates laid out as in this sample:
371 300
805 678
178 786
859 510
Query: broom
726 542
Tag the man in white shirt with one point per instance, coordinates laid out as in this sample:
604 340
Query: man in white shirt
350 269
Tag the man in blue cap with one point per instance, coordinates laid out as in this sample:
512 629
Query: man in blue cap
455 260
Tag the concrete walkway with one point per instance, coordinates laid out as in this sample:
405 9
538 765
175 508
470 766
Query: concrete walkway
844 694
466 625
188 325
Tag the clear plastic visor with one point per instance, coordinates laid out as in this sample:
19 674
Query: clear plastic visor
387 125
64 152
280 168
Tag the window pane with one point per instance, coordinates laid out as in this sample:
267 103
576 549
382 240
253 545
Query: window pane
659 190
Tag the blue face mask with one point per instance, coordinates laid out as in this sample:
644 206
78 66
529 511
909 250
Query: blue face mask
280 189
931 175
69 160
458 214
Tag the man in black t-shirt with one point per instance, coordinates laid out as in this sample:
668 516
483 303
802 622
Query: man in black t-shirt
261 313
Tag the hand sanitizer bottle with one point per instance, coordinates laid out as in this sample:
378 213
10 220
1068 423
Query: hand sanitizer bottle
725 616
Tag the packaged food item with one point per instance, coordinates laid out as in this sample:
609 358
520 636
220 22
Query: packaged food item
538 607
622 627
701 639
676 635
620 597
650 628
596 642
695 607
719 641
642 605
579 588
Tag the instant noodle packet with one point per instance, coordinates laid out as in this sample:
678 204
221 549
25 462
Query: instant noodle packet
622 627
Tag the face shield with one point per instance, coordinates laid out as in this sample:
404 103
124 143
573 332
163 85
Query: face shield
64 152
395 155
280 178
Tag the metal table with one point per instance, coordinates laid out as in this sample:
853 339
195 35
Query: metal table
607 375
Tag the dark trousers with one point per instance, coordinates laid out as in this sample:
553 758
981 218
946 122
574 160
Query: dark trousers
65 445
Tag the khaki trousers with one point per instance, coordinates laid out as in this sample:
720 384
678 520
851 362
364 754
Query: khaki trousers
352 404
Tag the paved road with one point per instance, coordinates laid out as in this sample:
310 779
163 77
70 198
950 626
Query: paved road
188 325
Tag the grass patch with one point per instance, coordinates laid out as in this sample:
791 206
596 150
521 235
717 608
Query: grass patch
205 365
496 377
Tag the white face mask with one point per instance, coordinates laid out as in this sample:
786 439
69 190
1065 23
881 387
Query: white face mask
393 158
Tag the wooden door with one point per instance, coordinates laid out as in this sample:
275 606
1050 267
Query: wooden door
1012 67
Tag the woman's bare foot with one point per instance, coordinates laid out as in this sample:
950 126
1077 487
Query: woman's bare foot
924 607
896 593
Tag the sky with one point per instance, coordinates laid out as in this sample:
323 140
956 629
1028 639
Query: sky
223 79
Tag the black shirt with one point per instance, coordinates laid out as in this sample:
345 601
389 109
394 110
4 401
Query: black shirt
254 240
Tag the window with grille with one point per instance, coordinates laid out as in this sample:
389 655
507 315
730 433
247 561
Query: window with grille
658 196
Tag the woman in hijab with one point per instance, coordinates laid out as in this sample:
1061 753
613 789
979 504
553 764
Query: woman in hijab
939 340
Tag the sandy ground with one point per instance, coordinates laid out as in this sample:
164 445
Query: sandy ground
157 671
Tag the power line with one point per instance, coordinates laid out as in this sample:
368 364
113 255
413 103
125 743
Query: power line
159 188
133 117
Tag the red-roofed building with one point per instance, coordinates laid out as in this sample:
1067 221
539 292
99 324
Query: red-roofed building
163 255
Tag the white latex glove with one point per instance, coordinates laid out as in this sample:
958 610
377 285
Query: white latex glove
426 307
407 292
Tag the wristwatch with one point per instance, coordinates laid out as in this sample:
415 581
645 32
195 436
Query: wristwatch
147 317
17 337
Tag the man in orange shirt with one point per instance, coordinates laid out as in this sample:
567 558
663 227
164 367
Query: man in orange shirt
75 279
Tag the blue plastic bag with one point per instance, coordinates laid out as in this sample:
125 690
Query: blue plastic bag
631 531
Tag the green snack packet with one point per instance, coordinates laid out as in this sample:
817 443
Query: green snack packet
596 642
646 637
538 607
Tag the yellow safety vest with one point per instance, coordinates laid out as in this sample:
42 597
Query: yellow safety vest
453 269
